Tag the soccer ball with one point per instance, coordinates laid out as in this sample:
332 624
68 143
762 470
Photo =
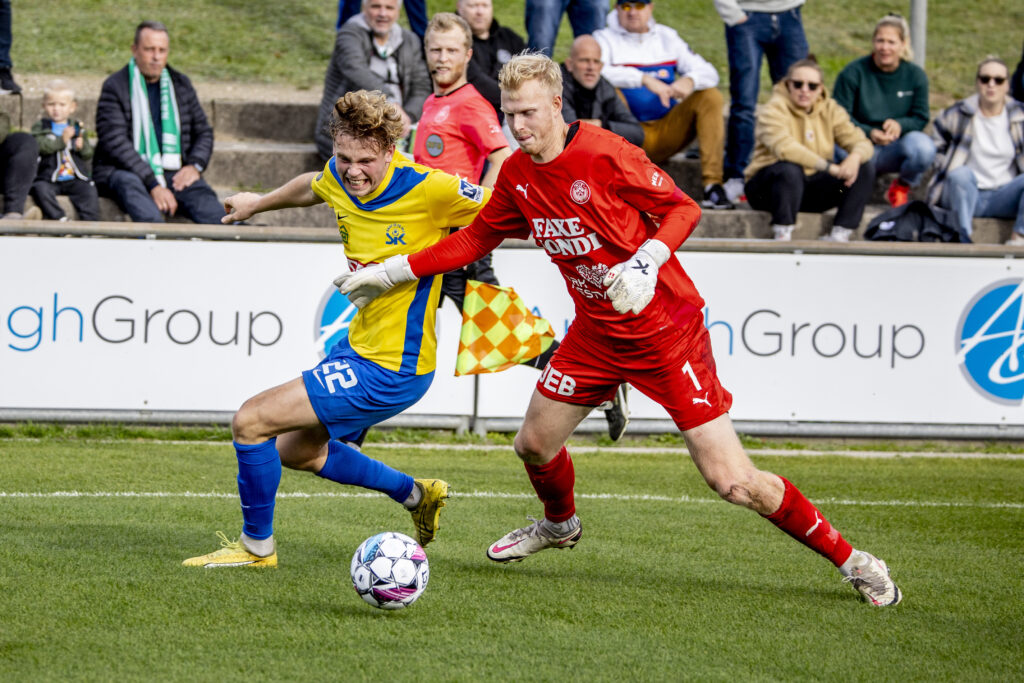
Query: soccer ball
390 570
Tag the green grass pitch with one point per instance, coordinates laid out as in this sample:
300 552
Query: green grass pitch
668 583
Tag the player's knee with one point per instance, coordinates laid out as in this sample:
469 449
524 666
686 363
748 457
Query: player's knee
736 490
528 448
245 424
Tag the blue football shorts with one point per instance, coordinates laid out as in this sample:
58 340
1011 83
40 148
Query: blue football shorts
350 393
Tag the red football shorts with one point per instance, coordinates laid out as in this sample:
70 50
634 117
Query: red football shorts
675 368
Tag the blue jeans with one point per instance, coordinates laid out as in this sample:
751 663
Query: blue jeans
415 12
962 196
911 156
780 38
544 16
5 34
198 201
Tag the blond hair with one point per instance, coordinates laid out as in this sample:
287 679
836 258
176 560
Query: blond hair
442 22
530 66
897 22
367 115
58 85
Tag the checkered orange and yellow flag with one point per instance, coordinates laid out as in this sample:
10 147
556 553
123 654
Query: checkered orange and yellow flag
498 330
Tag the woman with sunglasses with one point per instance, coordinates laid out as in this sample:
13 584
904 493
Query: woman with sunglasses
980 162
793 169
887 97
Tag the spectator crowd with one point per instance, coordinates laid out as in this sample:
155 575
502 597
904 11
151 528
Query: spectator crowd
808 148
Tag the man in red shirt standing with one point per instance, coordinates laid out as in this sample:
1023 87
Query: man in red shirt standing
587 198
459 132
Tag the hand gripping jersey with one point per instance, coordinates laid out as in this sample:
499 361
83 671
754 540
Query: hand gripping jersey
590 208
413 207
456 133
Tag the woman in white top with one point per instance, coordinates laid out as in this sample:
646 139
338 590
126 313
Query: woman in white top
980 160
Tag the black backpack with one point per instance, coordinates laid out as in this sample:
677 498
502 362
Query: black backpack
915 221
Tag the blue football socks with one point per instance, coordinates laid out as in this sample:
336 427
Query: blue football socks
259 474
346 465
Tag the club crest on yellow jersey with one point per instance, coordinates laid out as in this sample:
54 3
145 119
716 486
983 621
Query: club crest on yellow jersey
395 233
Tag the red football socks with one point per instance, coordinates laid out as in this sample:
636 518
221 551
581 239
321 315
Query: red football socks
798 517
554 483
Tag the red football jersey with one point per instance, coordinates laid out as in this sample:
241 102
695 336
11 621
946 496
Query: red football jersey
590 208
456 133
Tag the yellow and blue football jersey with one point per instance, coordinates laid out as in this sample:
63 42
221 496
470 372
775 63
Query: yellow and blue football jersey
413 207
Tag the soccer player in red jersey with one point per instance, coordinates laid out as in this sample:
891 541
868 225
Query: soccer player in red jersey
458 133
610 220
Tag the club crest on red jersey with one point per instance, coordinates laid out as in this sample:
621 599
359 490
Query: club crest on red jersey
580 192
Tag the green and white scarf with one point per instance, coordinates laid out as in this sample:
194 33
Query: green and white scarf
166 152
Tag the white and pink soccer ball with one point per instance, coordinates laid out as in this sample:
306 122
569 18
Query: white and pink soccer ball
390 570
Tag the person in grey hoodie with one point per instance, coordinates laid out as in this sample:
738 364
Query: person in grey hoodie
372 52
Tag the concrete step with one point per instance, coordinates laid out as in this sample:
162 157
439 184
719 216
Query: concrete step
258 165
231 118
742 223
319 216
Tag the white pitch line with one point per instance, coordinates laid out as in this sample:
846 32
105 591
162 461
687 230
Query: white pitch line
628 450
499 494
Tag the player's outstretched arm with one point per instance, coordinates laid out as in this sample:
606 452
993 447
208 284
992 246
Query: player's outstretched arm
366 284
296 192
631 283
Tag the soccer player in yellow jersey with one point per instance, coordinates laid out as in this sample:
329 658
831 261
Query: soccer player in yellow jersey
385 206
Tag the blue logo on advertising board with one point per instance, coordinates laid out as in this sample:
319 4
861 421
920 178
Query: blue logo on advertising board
990 342
333 316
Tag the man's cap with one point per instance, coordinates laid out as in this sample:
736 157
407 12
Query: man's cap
642 2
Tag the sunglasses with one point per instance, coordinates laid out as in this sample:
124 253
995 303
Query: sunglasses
999 80
799 85
637 6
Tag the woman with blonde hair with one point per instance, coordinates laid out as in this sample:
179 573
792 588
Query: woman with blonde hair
794 167
886 95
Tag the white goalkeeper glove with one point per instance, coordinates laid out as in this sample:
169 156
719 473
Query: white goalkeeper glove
366 284
631 283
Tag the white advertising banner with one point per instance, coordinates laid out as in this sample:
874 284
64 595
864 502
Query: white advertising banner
150 325
112 324
836 338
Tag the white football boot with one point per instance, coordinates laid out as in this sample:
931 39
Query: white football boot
521 543
870 576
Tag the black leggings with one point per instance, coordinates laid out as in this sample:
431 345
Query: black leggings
783 189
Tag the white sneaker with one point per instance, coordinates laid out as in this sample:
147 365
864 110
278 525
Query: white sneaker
839 234
733 189
521 543
783 233
1016 241
870 576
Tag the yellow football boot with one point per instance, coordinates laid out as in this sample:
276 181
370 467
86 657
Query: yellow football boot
231 554
425 515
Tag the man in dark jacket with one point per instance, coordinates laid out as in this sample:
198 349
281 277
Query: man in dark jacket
149 156
19 155
493 45
589 97
372 52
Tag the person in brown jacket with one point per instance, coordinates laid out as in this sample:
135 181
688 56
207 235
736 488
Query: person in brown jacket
793 169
